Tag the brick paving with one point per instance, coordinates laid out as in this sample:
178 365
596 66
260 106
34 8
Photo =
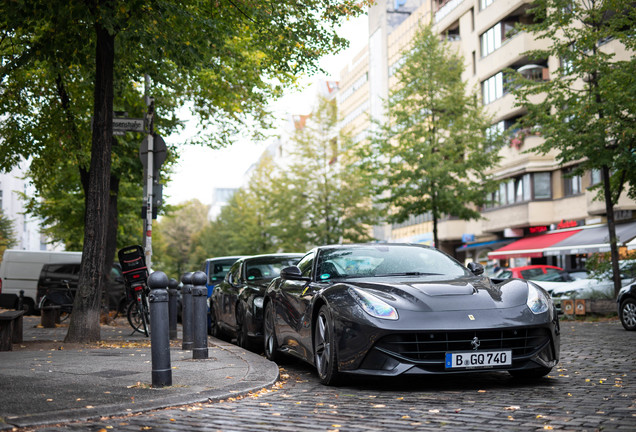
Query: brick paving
593 388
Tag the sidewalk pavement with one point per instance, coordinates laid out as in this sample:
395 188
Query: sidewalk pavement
46 381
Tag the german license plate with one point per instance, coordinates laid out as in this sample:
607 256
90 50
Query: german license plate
478 359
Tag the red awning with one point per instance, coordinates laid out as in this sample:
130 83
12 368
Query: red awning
530 247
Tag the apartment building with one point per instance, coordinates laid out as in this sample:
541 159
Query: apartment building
541 215
25 228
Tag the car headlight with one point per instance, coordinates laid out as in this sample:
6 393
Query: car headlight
538 302
258 302
374 306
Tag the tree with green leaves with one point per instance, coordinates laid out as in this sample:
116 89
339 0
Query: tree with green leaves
587 110
226 58
433 153
7 234
319 196
175 234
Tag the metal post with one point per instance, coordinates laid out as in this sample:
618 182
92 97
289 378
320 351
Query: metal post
172 307
186 313
159 340
200 315
21 300
150 171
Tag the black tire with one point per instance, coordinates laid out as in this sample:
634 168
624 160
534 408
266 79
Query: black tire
325 357
270 344
242 336
136 319
215 330
530 374
28 306
628 314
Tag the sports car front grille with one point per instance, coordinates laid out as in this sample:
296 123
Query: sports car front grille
431 347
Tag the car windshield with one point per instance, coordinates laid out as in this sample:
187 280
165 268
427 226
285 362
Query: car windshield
267 267
386 260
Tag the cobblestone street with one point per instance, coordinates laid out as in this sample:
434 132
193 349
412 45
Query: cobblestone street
593 388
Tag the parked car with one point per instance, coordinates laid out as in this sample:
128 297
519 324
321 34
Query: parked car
589 287
626 303
236 305
393 309
56 276
20 271
533 272
215 270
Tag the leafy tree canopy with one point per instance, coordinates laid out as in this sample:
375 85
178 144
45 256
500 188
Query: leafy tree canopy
432 155
587 109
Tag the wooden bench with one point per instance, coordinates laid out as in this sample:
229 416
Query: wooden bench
10 329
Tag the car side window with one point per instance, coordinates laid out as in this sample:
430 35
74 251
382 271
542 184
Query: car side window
306 264
233 276
531 273
506 274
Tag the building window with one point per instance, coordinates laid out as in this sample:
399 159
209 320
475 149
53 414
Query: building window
483 4
523 188
494 37
595 178
493 88
571 182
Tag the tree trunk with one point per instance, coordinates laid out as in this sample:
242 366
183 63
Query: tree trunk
611 227
84 324
111 237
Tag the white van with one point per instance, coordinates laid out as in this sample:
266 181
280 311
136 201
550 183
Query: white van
20 270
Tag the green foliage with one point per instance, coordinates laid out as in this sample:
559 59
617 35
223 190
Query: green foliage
7 234
432 154
587 110
322 198
174 236
317 197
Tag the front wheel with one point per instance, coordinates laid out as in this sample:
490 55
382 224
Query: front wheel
242 336
325 348
628 314
269 328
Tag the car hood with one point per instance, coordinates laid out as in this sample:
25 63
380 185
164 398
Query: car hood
463 294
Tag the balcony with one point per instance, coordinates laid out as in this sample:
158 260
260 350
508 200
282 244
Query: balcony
511 51
445 8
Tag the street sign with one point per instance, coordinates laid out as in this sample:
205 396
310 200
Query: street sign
160 152
124 124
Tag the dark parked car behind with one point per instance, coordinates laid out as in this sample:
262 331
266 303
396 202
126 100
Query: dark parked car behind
236 304
626 302
55 276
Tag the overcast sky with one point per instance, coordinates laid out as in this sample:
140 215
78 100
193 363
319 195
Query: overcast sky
200 170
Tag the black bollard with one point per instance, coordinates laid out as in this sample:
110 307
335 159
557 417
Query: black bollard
186 313
200 315
159 340
172 307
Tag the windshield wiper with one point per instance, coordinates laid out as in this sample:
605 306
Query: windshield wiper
408 274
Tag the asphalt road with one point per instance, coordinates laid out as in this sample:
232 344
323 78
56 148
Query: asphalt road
592 389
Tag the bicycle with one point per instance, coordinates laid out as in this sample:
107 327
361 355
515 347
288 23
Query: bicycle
63 297
138 310
135 275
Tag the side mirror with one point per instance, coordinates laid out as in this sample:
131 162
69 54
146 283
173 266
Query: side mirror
476 268
292 273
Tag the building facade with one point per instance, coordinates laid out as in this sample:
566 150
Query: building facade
25 227
537 196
